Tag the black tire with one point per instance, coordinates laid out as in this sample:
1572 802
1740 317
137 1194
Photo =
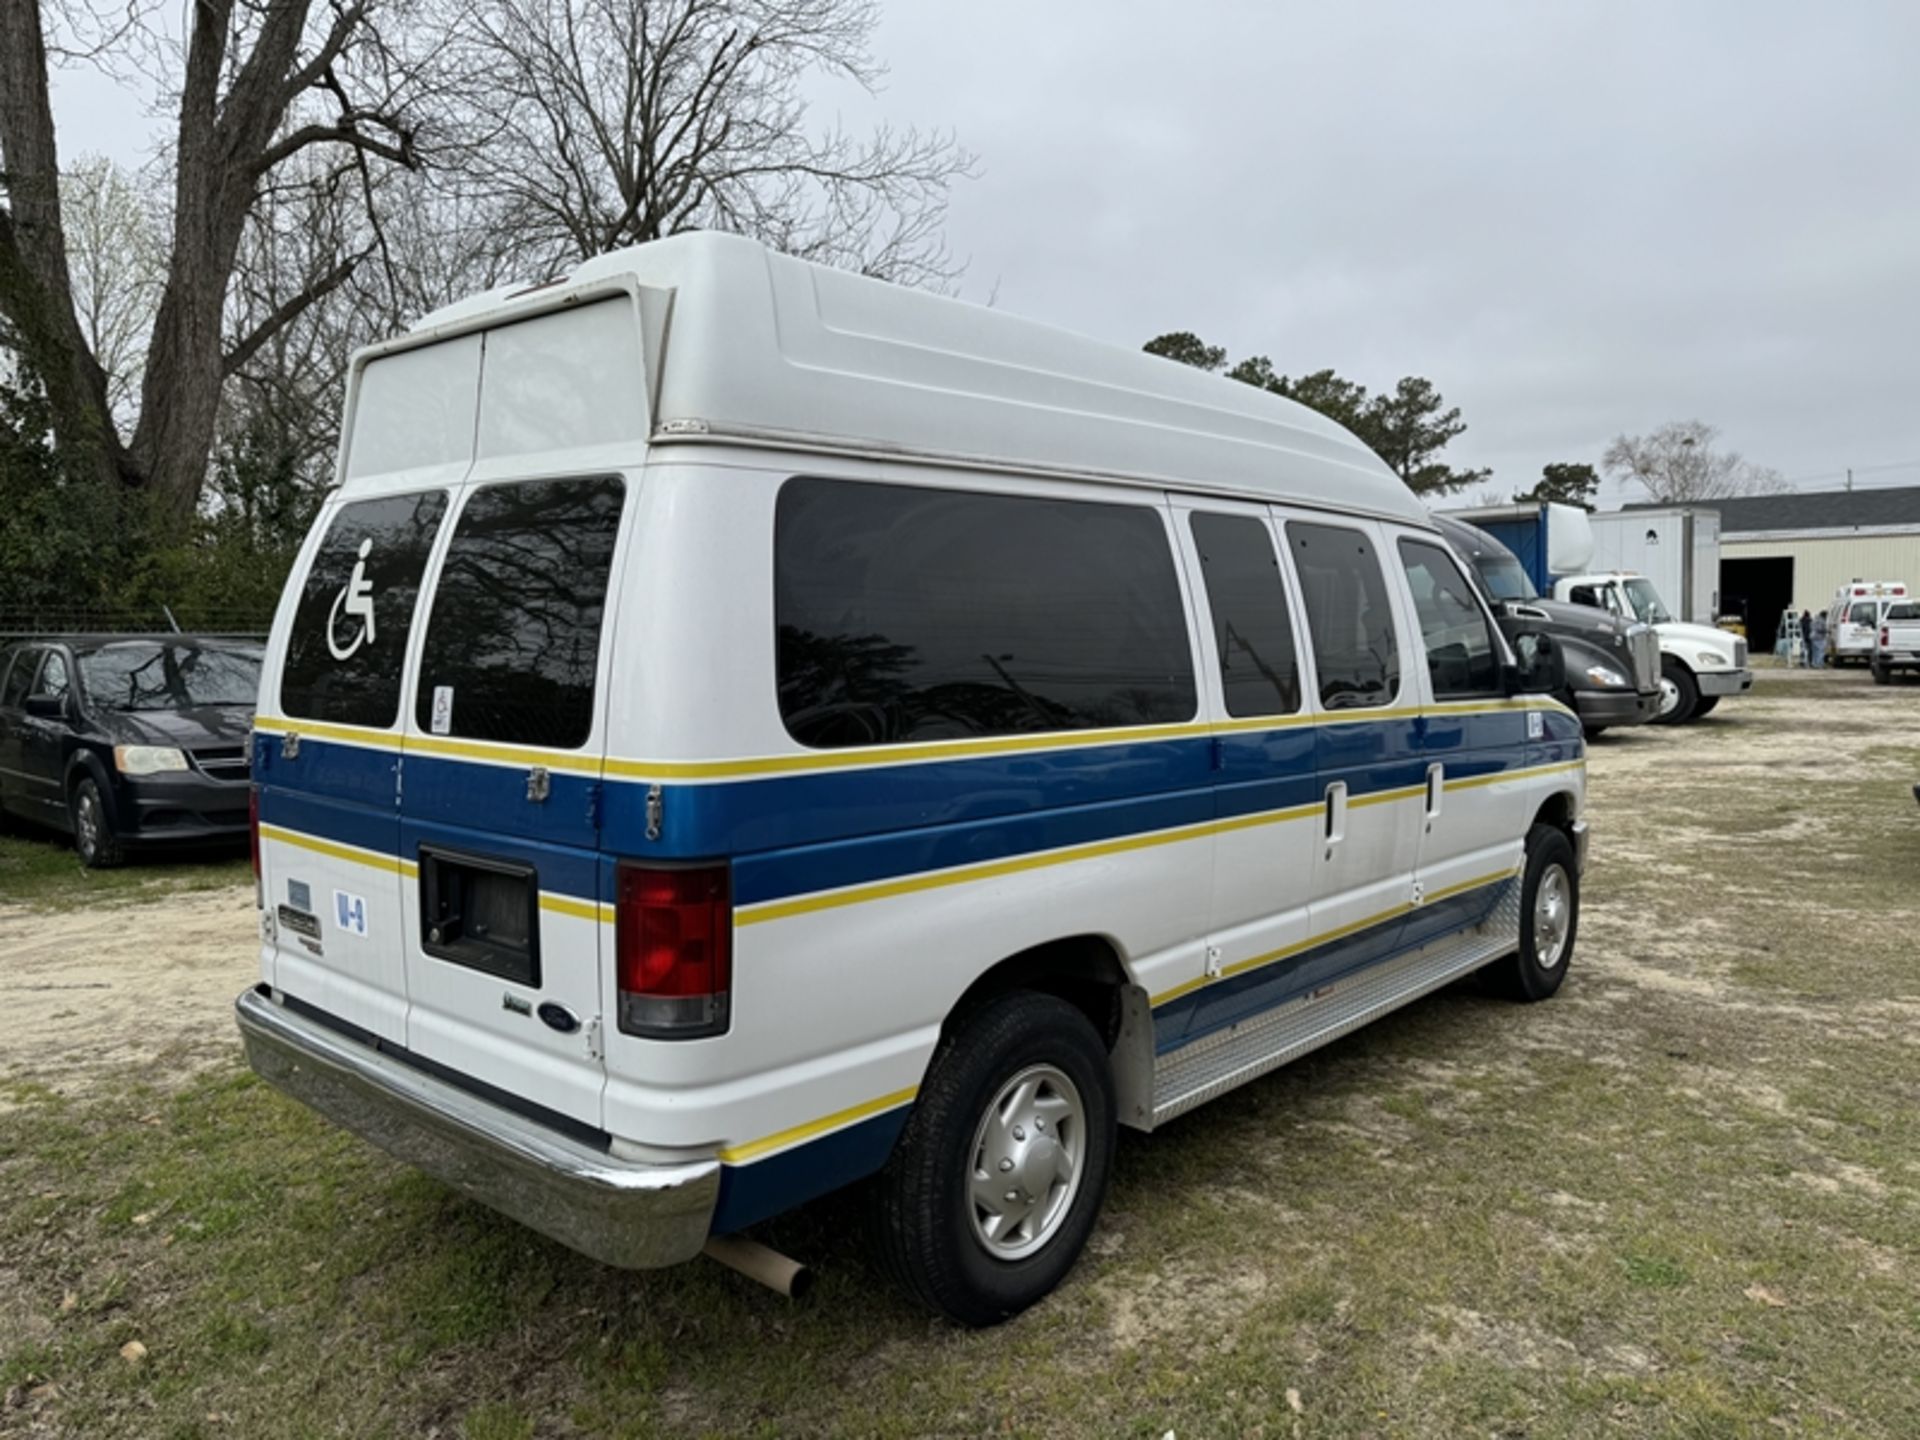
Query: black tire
924 1199
1705 707
1881 675
1681 678
1593 732
1528 975
93 837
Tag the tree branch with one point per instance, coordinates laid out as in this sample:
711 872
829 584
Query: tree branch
289 310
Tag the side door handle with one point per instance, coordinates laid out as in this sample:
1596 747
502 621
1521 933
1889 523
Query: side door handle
1436 789
1335 819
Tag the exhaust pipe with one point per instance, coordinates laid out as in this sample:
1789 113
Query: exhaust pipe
755 1261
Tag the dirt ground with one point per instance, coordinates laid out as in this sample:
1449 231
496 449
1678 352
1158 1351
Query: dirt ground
1682 1198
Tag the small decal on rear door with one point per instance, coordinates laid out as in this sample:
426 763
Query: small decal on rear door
442 709
350 914
300 895
1536 725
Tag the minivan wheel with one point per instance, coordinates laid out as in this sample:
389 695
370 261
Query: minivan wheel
998 1178
1881 674
1549 920
1678 694
93 837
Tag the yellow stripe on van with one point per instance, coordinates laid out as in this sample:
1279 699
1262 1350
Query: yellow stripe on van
392 864
746 767
576 907
781 1139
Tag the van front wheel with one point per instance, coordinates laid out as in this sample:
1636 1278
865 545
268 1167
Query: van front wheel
1549 920
998 1178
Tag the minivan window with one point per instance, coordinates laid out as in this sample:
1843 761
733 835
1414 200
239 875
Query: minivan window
1355 648
349 637
169 675
53 675
19 677
513 638
915 614
1461 655
1252 632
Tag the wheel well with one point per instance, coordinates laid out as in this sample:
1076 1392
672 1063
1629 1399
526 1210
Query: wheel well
1083 970
1557 812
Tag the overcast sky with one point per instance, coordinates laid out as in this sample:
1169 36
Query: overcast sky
1576 219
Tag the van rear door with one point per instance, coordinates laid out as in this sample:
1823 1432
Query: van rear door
505 726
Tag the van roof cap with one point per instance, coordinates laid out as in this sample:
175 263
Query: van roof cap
764 348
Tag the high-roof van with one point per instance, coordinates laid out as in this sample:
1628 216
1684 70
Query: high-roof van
739 728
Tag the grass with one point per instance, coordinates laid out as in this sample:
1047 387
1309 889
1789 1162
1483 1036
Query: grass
39 869
1682 1199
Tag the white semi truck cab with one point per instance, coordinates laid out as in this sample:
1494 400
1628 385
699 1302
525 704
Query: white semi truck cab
1699 665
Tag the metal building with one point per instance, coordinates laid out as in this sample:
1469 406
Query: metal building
1796 550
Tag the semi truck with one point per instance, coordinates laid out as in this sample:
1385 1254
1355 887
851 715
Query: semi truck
1562 549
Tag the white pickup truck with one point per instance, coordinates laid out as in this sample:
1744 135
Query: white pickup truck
1698 664
1897 645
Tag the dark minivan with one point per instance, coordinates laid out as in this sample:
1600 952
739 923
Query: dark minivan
128 740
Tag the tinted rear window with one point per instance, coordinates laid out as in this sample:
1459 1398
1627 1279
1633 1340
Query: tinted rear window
1252 632
350 629
909 614
1903 612
1355 648
513 641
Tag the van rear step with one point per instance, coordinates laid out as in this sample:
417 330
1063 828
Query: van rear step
1215 1064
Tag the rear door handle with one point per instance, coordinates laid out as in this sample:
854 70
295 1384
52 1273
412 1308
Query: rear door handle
1436 789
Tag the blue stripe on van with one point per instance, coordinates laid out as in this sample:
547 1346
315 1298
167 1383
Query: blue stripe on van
761 1189
797 835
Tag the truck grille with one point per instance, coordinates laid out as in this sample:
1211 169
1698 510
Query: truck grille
222 762
1644 645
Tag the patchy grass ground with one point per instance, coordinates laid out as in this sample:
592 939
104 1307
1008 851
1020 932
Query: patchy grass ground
39 871
1682 1199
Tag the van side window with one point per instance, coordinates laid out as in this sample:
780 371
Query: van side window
1461 655
914 614
350 629
1252 632
1355 647
513 638
20 677
53 675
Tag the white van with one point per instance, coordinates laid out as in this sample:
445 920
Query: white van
738 728
1854 616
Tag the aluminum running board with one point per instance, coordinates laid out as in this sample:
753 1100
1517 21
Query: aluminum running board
1217 1063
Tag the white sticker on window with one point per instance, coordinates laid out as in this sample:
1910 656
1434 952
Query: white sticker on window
1536 725
442 709
350 914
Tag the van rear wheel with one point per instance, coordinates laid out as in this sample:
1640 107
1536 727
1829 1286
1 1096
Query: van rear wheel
1549 920
998 1178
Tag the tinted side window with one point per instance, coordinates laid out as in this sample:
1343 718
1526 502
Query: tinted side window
14 694
350 629
1354 645
513 641
53 675
1252 632
1461 655
912 614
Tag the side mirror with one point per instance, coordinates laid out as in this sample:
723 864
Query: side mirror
1542 669
47 707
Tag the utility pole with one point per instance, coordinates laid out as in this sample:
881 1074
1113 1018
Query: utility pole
1849 479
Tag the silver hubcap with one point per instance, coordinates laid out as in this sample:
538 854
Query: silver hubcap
1669 696
1028 1154
89 823
1552 917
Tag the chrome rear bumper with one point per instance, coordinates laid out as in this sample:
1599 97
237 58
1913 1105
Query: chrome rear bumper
633 1215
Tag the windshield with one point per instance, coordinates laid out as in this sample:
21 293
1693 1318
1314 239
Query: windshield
1645 602
1503 577
169 675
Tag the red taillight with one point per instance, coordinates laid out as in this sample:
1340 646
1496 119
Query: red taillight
673 943
1886 637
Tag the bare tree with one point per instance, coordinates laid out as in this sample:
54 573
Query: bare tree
601 123
117 253
256 83
1678 464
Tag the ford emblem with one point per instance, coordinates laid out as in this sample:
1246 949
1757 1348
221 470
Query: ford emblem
558 1017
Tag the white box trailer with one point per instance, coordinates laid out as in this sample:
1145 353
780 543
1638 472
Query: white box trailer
1678 549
